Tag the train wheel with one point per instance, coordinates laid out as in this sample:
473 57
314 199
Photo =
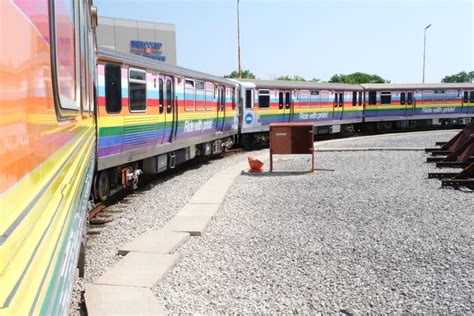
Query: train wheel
102 186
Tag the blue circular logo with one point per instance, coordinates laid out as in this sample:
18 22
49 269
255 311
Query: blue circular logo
248 118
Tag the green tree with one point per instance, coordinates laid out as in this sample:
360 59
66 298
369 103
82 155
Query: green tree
357 77
246 74
459 77
289 78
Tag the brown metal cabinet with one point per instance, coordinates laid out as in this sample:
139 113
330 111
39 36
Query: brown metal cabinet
291 138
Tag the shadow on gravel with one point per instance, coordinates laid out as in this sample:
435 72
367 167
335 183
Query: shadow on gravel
284 173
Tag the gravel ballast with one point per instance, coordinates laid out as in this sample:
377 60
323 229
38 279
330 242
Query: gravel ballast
372 236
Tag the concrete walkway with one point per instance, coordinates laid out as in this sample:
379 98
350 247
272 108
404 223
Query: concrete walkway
126 288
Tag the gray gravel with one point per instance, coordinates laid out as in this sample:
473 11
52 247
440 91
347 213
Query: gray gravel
410 140
372 236
146 209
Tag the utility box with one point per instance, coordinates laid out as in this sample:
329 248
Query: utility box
291 138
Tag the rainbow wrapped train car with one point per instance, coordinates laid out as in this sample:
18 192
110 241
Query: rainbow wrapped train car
152 116
47 150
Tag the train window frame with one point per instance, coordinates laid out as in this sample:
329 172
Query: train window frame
426 95
108 108
402 98
264 94
161 94
200 86
248 99
288 99
143 83
336 99
169 95
65 106
304 93
360 98
354 98
314 98
410 96
372 97
209 93
187 82
280 99
385 97
471 96
437 93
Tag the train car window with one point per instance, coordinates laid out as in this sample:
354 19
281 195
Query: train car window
324 99
427 96
439 96
200 96
263 99
409 98
169 93
304 99
137 90
402 98
113 88
385 97
287 100
471 97
466 94
280 100
189 95
248 99
372 97
354 98
314 98
210 106
360 98
233 98
336 101
341 99
160 83
65 67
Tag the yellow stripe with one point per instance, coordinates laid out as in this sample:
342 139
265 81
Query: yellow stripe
19 247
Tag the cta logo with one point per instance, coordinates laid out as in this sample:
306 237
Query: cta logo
248 118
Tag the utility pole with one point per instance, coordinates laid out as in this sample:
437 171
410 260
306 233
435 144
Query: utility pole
424 52
238 40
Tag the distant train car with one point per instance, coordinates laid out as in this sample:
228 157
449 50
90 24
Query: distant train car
328 105
434 103
152 116
47 147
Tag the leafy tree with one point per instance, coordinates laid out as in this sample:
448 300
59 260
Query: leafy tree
357 77
459 77
289 78
246 74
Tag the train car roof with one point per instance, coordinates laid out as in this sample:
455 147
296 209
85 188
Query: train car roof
285 84
147 63
416 86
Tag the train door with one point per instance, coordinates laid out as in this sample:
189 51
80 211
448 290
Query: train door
468 102
338 105
169 110
406 100
287 107
220 108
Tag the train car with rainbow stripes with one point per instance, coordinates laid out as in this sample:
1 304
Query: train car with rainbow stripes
335 107
433 103
47 149
152 116
328 105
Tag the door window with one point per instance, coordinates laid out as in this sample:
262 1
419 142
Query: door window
169 93
471 97
410 98
354 98
137 90
287 100
341 99
402 98
248 99
161 95
372 97
263 99
113 88
280 100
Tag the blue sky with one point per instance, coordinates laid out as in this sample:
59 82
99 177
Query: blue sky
315 39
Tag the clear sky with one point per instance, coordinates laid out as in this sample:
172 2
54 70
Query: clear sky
313 38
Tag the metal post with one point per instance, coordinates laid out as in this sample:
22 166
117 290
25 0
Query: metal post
424 52
238 40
